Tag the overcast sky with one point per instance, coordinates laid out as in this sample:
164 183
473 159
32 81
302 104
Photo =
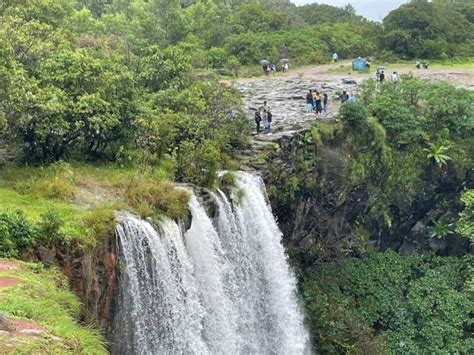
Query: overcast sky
372 9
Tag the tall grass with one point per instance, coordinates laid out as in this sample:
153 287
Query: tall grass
43 297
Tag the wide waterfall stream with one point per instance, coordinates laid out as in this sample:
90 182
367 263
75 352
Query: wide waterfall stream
221 287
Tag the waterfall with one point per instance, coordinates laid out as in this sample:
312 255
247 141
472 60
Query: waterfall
224 286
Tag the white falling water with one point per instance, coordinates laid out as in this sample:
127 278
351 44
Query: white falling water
222 287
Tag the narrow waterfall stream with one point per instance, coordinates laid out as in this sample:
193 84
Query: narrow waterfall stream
221 287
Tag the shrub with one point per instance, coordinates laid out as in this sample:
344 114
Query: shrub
353 113
150 197
57 182
217 57
16 233
49 227
228 179
199 164
101 222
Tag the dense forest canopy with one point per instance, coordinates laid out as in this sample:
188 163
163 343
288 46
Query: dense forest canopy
438 29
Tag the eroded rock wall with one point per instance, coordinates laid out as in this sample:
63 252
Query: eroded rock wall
92 275
319 210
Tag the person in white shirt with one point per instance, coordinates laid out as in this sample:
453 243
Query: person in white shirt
394 77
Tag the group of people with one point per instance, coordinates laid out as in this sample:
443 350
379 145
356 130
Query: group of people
316 102
424 64
267 68
264 116
380 76
345 97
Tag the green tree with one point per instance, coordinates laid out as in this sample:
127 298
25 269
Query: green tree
429 29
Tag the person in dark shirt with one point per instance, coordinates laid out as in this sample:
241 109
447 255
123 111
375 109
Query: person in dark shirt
258 119
269 122
319 107
382 76
344 97
325 103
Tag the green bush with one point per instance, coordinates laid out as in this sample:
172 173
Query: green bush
49 227
16 233
217 57
403 304
151 197
199 164
101 222
353 113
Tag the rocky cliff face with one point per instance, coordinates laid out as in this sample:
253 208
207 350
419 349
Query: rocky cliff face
319 210
92 275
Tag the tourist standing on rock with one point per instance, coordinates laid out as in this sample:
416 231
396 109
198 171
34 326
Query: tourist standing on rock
335 57
265 109
382 76
319 108
309 101
377 75
274 69
344 97
265 106
285 67
269 122
258 119
325 103
266 69
394 77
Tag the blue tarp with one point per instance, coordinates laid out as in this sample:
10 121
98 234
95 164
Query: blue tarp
359 64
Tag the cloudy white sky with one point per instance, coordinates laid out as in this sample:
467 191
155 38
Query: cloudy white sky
372 9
